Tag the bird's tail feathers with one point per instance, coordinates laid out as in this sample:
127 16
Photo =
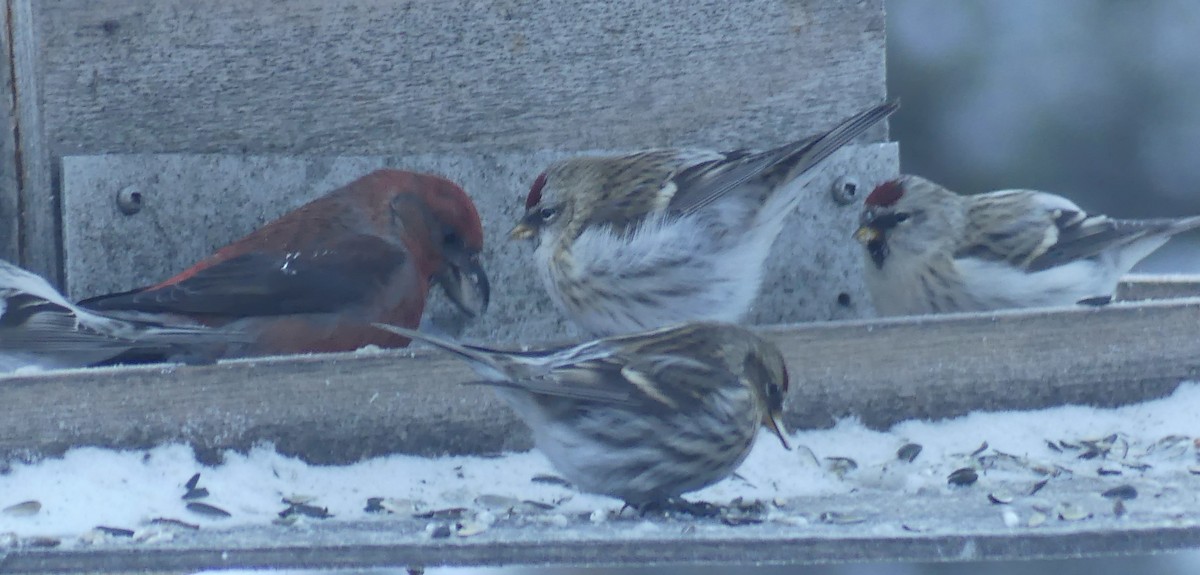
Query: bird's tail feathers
479 359
813 150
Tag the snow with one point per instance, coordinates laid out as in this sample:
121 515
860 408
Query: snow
91 487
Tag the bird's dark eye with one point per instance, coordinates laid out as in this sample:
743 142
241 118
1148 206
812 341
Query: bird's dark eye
902 217
451 238
547 214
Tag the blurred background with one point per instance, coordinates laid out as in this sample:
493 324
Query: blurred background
1097 100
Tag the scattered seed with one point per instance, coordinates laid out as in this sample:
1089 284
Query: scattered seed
804 450
193 482
306 510
1138 466
1103 472
489 501
538 505
1053 446
374 505
115 531
469 528
1119 508
1038 486
1000 497
1037 518
963 477
392 505
1010 517
193 494
981 449
1067 445
1071 512
839 518
440 532
909 452
551 480
449 513
207 510
23 509
41 542
840 466
1121 492
1194 469
174 523
298 499
738 519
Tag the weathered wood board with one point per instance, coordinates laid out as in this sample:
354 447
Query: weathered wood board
344 407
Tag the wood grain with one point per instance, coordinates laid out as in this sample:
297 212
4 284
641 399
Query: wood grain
39 240
344 407
364 77
9 196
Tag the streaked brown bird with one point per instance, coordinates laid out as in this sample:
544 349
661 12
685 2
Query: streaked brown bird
645 417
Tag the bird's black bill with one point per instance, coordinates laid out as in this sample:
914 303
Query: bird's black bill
878 250
465 282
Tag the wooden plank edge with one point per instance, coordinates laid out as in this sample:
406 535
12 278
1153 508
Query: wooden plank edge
39 240
339 408
1158 286
699 550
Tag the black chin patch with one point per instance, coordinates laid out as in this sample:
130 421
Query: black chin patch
878 249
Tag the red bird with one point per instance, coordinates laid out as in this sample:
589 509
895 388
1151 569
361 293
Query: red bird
316 279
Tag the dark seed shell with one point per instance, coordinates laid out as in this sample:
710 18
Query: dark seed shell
115 531
550 480
193 482
174 523
909 452
374 505
193 494
1121 492
208 510
963 477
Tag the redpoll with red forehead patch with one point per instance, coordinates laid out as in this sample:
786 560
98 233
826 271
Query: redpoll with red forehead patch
643 240
40 328
930 250
644 417
316 278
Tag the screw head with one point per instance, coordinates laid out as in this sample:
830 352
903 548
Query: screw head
129 200
846 190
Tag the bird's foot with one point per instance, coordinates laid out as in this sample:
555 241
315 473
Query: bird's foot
678 506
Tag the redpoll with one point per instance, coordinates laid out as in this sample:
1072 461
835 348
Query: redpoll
654 238
930 250
40 328
643 417
316 278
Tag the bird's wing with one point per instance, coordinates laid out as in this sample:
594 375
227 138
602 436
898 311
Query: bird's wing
1041 231
703 183
324 280
652 382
